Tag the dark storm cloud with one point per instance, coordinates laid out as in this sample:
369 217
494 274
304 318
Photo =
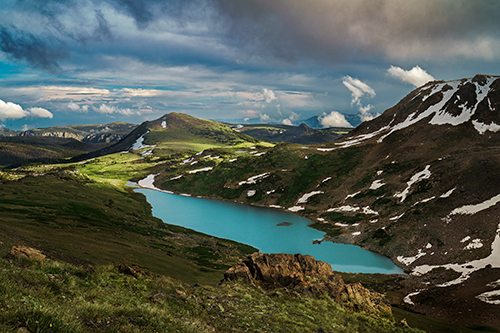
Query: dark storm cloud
278 32
38 52
328 30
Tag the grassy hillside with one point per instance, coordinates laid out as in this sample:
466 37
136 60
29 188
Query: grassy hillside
73 218
52 296
16 150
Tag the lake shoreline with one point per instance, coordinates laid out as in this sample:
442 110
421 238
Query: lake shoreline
148 184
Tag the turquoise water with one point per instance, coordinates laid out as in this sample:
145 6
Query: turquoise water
257 226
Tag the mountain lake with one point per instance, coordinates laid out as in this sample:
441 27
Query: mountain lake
268 229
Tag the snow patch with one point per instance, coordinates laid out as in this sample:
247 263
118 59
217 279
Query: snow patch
164 124
394 218
409 260
365 210
376 184
465 239
447 194
326 179
357 233
275 206
352 195
296 208
176 177
482 128
251 193
488 296
424 201
254 179
148 183
424 174
473 209
138 144
303 199
201 170
408 297
475 244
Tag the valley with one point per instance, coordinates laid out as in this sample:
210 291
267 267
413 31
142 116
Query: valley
418 184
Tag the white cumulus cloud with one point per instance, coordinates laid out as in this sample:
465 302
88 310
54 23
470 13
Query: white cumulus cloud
269 95
416 76
9 110
334 119
358 89
40 113
287 122
264 117
78 108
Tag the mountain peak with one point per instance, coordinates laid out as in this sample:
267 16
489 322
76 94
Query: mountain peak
474 101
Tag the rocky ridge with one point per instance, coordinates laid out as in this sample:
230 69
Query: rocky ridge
305 275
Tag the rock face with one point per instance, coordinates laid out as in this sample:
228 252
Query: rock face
26 252
305 275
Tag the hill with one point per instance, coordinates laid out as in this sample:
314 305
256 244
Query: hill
176 133
19 150
418 184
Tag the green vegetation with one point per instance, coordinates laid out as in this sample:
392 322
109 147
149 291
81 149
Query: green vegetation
52 296
74 218
293 170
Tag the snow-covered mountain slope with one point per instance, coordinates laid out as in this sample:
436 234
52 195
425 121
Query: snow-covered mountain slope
473 101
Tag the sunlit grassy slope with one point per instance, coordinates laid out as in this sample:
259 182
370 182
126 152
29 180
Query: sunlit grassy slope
76 219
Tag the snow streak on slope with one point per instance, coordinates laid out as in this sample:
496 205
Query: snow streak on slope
424 174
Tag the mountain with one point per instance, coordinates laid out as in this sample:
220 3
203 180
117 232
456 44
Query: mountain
301 134
175 133
419 184
315 122
106 133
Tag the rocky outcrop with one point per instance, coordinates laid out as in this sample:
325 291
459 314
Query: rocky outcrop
20 251
305 275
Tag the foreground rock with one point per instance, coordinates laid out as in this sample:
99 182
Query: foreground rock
20 251
305 275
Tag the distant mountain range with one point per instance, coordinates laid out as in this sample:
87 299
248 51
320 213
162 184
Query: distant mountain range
313 122
107 133
301 134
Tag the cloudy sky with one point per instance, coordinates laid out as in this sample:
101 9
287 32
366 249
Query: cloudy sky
68 62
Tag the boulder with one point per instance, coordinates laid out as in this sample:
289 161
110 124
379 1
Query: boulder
308 276
21 251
